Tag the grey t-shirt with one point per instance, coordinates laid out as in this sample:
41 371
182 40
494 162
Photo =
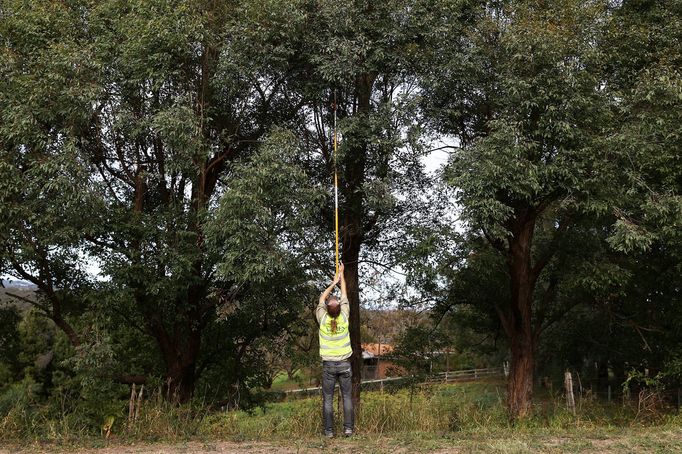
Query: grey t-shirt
320 312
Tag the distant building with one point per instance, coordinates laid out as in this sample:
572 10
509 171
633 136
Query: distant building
377 349
376 361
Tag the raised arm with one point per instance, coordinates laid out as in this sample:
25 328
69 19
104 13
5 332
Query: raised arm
343 281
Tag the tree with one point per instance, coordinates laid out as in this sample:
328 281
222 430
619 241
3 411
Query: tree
142 111
260 233
44 98
183 99
644 83
358 61
645 86
520 89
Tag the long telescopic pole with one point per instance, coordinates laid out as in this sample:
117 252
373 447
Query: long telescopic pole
336 191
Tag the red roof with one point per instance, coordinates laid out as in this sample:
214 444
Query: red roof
378 349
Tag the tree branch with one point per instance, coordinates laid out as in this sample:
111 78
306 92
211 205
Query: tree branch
504 319
549 294
29 301
388 267
551 250
495 242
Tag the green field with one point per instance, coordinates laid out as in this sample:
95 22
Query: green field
282 382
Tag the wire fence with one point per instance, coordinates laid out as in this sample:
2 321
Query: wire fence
379 384
465 375
585 390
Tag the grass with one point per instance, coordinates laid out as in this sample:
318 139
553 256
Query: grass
431 409
282 382
469 417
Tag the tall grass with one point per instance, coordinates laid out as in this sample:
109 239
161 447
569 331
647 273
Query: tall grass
27 418
468 407
474 408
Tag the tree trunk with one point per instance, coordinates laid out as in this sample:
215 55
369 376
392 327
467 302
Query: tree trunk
62 324
291 373
180 348
180 359
520 382
180 381
519 324
353 226
350 259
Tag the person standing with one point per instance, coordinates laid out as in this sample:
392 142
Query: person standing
335 349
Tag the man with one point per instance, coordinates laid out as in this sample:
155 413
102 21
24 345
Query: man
335 349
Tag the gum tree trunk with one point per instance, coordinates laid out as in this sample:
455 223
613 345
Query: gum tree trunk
518 321
354 221
350 258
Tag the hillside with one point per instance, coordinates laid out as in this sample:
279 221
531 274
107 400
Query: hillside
21 289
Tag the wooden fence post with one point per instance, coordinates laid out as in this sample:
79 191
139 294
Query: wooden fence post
131 404
138 404
568 384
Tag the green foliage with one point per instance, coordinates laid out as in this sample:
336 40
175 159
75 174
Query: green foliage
38 339
170 99
647 93
538 142
641 378
266 213
557 133
10 347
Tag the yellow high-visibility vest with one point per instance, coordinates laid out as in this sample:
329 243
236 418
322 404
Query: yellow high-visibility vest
338 343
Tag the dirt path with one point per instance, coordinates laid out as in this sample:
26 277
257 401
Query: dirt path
179 448
189 447
195 447
658 440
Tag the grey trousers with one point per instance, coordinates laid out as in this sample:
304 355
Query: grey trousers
332 371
